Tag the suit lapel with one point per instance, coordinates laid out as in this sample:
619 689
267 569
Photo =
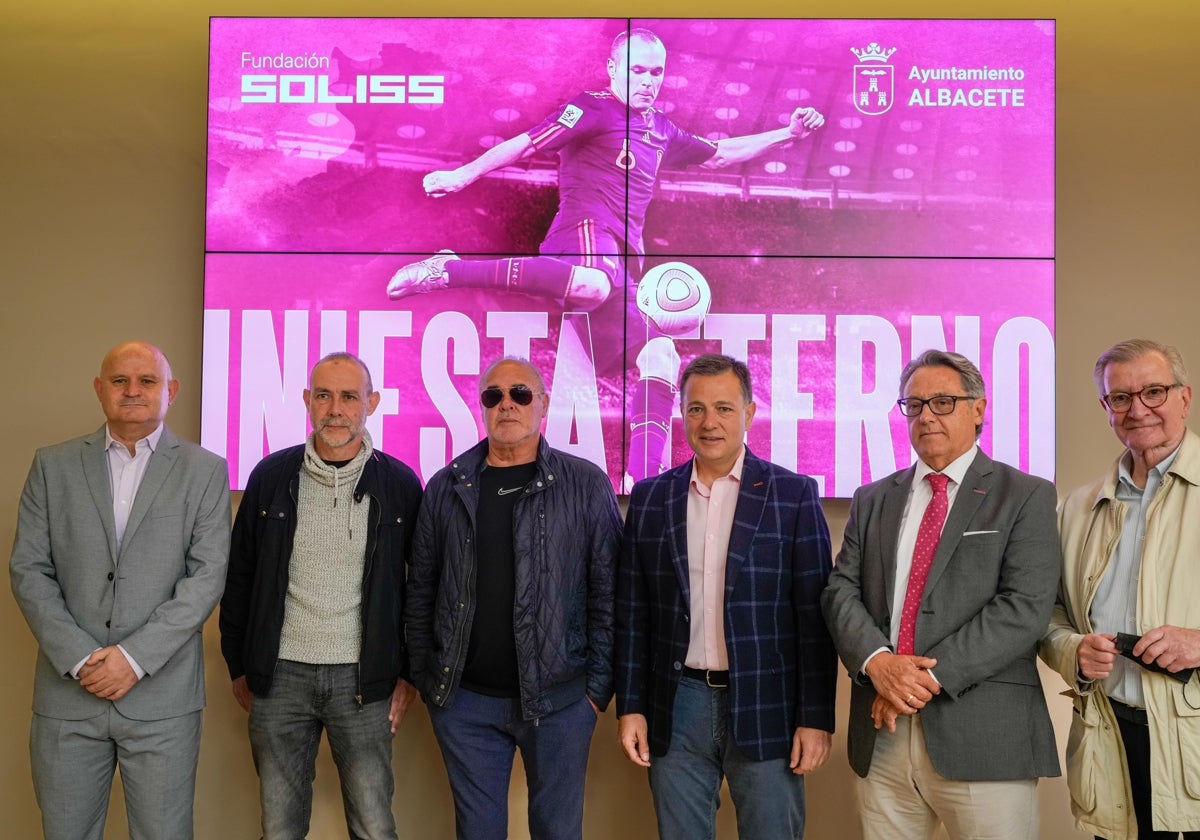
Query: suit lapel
95 473
676 506
895 500
753 492
162 461
967 500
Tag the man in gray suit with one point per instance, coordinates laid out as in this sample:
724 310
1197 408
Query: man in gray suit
122 542
944 583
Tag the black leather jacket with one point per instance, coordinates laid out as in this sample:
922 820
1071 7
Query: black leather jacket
260 553
567 533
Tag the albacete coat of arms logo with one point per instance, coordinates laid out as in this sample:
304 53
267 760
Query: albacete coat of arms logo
874 80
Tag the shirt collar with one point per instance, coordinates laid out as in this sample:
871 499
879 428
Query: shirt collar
1125 473
735 472
150 440
956 470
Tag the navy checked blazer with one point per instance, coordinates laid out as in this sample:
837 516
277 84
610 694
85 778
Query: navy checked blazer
782 665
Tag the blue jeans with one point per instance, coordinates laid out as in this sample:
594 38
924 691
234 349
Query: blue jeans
479 736
285 731
686 782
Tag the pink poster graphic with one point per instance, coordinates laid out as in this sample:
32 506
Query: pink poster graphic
403 189
826 340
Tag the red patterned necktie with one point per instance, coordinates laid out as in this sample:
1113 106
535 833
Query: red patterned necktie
928 536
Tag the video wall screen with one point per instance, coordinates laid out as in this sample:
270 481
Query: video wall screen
612 197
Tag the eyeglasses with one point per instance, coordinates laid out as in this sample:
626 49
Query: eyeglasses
1152 396
912 407
491 396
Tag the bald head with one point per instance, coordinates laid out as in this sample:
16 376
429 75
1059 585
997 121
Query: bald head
143 348
135 390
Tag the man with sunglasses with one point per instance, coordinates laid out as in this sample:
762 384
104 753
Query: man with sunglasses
1125 631
936 603
510 612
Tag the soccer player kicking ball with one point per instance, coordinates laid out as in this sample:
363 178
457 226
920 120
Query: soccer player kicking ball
610 144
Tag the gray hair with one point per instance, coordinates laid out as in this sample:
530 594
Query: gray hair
714 364
968 375
521 360
1135 348
344 356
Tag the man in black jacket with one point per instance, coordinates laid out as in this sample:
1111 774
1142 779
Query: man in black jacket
311 622
510 612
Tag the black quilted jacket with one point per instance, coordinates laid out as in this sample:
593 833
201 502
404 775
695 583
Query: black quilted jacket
567 531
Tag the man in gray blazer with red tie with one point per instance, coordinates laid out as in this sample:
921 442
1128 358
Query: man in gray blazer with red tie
943 586
724 666
120 554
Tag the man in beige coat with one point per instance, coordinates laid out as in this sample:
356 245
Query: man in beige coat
1131 554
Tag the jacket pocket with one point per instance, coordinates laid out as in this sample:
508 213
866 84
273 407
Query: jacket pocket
1082 754
1189 734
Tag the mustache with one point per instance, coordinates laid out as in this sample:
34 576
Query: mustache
331 430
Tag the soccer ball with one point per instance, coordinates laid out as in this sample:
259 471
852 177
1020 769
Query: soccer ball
674 297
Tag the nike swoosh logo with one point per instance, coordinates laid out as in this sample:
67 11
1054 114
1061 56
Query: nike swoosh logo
503 492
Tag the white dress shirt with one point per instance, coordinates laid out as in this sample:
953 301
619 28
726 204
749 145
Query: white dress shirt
125 474
919 496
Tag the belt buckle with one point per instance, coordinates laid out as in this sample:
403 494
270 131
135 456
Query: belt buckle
708 681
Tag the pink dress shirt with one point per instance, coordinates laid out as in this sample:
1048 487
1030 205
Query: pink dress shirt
710 513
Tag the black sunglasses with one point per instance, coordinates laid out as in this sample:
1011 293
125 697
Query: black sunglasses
491 396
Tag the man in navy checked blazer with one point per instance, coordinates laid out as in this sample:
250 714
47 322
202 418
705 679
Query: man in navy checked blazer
724 665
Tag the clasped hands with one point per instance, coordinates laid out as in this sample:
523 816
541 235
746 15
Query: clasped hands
903 686
107 674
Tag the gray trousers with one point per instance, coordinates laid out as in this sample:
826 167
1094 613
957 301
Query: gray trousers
73 763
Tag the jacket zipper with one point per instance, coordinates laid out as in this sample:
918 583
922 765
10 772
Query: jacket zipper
462 617
370 560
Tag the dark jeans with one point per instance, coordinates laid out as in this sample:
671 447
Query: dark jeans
285 731
686 782
479 736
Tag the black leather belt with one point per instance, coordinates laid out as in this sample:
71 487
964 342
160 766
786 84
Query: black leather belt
1132 714
713 679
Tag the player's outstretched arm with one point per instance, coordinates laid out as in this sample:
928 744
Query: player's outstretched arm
803 122
443 182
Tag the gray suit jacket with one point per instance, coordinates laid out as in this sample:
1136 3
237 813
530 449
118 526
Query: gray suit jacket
986 603
78 594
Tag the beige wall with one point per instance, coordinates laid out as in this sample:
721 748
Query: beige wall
101 186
